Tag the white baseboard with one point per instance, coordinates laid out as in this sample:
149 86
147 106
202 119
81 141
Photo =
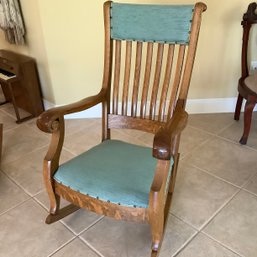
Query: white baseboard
211 105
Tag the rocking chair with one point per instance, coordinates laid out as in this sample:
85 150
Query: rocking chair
115 178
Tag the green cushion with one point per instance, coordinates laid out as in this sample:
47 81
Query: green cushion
113 171
151 23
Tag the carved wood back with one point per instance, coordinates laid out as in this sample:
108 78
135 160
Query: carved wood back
145 78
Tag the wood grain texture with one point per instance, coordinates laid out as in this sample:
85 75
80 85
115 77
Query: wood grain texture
116 211
156 82
119 121
124 107
166 83
147 76
136 79
116 83
176 82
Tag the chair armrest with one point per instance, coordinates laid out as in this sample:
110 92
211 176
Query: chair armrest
162 145
48 120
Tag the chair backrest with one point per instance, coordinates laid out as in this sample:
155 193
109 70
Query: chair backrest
149 56
249 18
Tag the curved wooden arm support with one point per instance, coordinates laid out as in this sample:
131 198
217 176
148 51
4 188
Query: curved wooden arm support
201 6
48 121
162 145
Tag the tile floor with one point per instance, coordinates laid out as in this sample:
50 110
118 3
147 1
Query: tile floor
214 212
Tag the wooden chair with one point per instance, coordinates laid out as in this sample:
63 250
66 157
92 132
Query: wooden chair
247 85
115 178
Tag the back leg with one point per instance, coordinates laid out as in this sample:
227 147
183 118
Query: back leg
249 106
238 107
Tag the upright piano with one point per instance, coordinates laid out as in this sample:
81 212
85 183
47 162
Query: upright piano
20 84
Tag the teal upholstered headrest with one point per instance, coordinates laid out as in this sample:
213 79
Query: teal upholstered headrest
151 23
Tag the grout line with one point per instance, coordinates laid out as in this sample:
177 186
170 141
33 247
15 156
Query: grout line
208 222
15 206
187 155
251 193
222 244
236 143
249 179
90 246
182 220
90 226
226 127
17 184
62 246
186 244
75 233
215 176
220 209
41 204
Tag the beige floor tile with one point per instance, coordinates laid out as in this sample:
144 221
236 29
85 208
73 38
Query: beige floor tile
235 132
125 239
8 121
212 122
176 235
21 141
83 140
119 238
10 194
72 126
28 170
227 160
8 108
191 138
146 139
202 246
75 249
235 226
23 232
198 195
128 135
78 221
252 185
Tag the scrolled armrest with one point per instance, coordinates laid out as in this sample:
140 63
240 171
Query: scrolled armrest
162 146
48 121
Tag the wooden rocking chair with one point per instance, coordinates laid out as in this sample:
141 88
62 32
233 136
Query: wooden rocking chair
115 178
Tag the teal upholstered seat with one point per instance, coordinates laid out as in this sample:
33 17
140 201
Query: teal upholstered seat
100 173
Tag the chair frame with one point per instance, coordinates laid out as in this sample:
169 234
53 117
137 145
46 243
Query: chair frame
249 18
165 145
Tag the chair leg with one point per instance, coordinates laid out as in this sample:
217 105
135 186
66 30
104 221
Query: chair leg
61 213
158 221
238 107
171 188
157 228
249 106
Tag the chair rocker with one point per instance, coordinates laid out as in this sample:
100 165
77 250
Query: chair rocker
115 178
247 84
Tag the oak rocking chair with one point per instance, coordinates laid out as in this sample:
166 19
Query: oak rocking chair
247 84
115 178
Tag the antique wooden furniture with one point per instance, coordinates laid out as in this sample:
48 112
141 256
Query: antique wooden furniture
115 178
20 83
247 85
